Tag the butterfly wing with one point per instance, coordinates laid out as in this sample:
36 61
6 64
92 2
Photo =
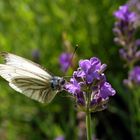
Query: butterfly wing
34 88
34 85
22 63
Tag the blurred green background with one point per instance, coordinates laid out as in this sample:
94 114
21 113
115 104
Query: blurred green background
27 26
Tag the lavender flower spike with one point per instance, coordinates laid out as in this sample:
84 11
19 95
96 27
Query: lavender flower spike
89 87
124 30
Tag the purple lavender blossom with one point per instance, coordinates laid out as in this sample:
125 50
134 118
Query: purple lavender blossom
135 74
106 90
65 61
133 77
125 30
124 14
89 87
124 27
91 69
74 86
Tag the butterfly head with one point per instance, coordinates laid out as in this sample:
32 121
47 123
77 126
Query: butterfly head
57 83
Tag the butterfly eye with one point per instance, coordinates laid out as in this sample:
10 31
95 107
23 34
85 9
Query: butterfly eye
62 82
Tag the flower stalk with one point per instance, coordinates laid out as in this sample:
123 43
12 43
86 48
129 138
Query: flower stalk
88 116
88 124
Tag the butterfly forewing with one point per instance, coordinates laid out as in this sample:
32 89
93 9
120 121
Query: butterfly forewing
9 72
27 78
19 62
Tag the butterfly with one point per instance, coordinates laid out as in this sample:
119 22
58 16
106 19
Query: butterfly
29 78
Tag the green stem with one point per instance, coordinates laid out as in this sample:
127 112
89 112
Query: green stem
88 125
136 112
88 114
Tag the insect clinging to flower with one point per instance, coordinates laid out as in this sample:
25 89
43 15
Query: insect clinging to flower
30 78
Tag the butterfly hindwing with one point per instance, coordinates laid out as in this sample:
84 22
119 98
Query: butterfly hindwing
30 84
33 88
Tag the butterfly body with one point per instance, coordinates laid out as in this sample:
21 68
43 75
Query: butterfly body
56 83
30 78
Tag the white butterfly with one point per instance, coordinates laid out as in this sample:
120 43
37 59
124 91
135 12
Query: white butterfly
29 78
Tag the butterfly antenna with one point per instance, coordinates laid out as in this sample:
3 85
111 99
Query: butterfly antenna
70 62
